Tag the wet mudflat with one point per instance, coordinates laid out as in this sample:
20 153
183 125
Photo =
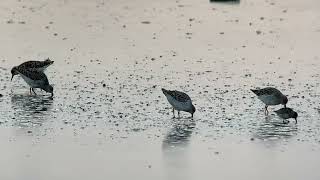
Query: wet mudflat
109 119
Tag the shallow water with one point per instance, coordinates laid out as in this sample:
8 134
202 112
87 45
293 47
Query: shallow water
109 119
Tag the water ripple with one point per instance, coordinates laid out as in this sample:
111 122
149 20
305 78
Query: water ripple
30 110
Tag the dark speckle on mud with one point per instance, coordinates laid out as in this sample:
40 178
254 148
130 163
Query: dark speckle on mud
113 57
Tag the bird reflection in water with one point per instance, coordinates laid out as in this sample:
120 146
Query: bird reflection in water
175 151
30 110
274 129
179 134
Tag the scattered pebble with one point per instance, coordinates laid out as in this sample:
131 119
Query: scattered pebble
145 22
10 21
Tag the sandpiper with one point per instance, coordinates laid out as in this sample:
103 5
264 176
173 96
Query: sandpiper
32 65
179 101
287 113
35 79
270 97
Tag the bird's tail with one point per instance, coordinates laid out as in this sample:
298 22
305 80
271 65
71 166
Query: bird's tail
164 91
48 61
255 91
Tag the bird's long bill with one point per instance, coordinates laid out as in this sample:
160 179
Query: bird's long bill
12 77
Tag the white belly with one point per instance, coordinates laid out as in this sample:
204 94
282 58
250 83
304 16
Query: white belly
42 68
30 82
180 106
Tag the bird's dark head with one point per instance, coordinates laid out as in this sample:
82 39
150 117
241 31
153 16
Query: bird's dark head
193 110
49 89
295 116
14 71
284 100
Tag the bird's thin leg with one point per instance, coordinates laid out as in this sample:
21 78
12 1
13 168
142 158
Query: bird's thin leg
266 112
173 112
30 92
178 114
33 91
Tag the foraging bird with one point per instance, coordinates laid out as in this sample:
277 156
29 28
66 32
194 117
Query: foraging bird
270 97
179 101
32 65
35 79
287 113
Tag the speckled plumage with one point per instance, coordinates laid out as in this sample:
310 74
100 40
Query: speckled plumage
32 66
36 65
180 101
270 96
287 113
35 79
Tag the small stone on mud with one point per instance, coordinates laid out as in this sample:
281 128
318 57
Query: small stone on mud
10 21
145 22
1 95
29 131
